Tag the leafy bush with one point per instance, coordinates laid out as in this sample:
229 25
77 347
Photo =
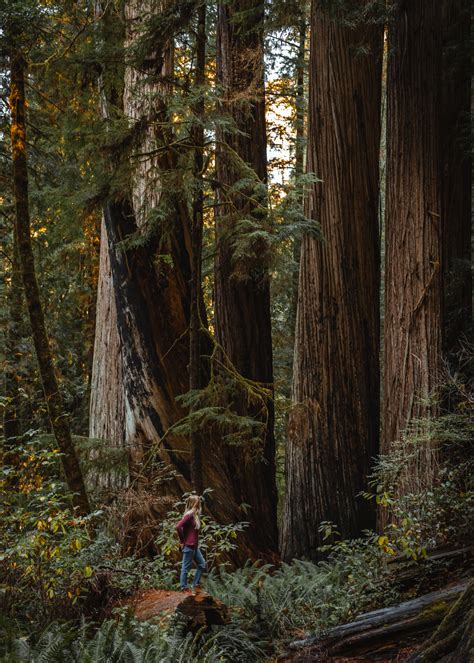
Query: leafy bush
435 515
44 564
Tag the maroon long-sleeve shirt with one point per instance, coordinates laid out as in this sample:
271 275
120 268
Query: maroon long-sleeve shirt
187 532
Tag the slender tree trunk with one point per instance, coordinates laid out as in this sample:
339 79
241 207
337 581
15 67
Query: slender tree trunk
59 421
334 423
11 414
242 287
457 170
299 154
195 322
413 235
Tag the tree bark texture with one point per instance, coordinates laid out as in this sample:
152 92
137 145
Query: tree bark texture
107 402
151 282
195 320
299 154
413 235
457 170
11 413
242 287
57 415
334 423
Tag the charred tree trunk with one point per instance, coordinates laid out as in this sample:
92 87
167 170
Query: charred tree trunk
413 258
457 170
151 285
334 423
242 287
149 282
58 419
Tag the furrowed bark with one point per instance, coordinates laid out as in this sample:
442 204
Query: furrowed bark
242 287
195 323
147 324
333 426
151 286
457 170
57 415
414 234
299 155
107 403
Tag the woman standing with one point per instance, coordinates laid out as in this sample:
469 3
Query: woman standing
188 532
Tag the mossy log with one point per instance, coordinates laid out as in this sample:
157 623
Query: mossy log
453 640
379 629
201 609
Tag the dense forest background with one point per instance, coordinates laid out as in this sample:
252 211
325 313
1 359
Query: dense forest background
236 249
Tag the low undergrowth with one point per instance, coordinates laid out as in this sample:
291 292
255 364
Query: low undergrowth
62 577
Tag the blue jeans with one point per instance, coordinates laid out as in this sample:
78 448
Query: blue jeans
190 555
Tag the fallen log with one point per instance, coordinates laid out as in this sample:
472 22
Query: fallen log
378 628
453 640
437 567
201 609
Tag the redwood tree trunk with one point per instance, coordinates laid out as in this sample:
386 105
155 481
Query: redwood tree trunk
107 402
195 321
413 259
457 170
151 286
334 422
57 416
299 154
242 287
147 360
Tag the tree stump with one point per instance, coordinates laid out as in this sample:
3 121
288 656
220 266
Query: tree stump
201 610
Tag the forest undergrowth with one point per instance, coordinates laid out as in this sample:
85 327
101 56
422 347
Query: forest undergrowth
65 580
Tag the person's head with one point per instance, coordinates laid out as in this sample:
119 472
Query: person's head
193 505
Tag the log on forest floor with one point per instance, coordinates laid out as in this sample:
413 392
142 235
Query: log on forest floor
377 633
434 572
201 609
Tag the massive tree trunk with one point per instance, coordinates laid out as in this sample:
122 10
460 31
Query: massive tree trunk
413 259
242 288
147 323
151 283
107 403
334 423
457 170
57 416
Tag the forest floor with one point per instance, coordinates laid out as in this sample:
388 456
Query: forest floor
397 633
392 634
